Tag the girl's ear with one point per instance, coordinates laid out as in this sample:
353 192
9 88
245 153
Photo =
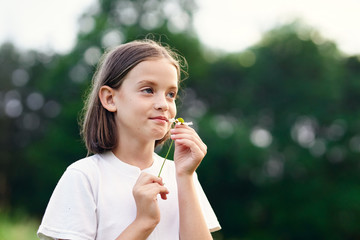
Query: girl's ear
106 95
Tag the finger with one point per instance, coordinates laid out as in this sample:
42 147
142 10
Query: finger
194 139
155 188
146 178
150 191
187 135
163 191
185 130
191 134
182 145
163 196
183 127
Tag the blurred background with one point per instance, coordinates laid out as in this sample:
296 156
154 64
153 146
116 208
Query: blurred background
274 89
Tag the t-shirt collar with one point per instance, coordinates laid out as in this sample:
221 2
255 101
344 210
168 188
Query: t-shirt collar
129 169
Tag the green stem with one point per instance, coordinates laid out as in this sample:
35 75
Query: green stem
165 157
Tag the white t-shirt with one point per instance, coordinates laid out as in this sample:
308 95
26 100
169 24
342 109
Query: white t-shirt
93 200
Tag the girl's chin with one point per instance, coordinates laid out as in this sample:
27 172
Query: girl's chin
159 135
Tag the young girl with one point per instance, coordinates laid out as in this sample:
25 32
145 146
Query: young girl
115 193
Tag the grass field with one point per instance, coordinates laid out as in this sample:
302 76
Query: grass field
17 227
22 227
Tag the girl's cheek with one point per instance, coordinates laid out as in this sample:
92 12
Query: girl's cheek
174 110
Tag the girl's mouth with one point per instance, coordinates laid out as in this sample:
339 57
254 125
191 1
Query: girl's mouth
160 119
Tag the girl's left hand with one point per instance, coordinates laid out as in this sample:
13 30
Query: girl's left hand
189 149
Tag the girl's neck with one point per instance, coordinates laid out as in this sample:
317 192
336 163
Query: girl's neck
135 153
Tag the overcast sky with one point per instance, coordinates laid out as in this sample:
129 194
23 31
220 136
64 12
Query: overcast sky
229 25
337 20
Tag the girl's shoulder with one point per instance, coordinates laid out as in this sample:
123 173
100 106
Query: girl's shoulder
88 165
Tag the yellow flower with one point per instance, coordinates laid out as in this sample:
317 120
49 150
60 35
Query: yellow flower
180 121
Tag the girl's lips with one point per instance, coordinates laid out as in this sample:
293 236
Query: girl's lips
160 118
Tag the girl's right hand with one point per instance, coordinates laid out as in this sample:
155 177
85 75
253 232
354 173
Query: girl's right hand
145 192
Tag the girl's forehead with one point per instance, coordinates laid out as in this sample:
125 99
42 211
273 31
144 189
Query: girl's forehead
154 69
154 64
163 59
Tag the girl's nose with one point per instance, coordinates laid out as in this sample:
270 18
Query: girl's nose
161 103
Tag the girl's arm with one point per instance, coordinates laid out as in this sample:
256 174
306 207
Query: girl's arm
145 193
189 152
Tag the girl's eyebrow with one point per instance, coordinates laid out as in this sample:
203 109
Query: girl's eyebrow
149 82
152 83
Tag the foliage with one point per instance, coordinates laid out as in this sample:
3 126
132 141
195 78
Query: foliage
286 165
279 119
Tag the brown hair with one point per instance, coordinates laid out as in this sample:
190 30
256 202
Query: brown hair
98 125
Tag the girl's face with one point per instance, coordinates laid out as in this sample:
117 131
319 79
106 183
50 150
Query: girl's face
146 100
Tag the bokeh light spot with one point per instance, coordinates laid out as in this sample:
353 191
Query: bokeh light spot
261 137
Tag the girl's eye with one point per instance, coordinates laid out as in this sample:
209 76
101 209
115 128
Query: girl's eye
171 94
147 90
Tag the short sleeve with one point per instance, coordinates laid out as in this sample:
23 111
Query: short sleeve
209 214
71 211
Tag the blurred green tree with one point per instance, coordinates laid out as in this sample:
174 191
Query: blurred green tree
284 164
24 114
